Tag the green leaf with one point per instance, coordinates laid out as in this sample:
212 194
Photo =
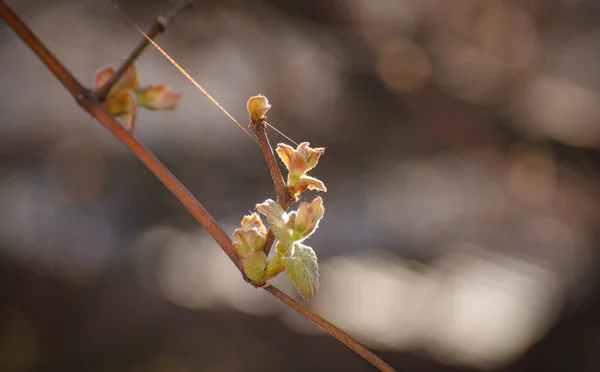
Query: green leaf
275 265
303 270
255 265
157 97
277 219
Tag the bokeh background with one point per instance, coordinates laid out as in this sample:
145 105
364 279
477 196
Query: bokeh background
462 222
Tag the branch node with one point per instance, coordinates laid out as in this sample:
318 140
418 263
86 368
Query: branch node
89 102
161 23
159 27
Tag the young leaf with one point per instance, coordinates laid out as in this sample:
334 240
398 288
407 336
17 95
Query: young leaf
303 270
298 161
157 97
278 220
120 99
275 265
304 183
255 265
251 237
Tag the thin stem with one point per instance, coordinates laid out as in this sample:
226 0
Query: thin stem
283 195
93 106
87 100
53 64
340 335
158 27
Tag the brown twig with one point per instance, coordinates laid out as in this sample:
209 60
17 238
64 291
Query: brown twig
340 335
283 196
89 102
158 27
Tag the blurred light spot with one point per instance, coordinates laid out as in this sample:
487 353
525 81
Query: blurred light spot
183 276
299 323
78 169
310 79
489 309
375 299
473 309
560 109
67 243
77 249
228 285
508 33
403 65
377 20
17 341
532 175
21 202
421 199
291 318
195 273
470 73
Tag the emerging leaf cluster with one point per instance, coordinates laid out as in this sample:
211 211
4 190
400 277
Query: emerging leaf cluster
124 97
290 229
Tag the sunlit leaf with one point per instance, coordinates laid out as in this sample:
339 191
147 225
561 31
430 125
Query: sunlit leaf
157 97
255 265
303 270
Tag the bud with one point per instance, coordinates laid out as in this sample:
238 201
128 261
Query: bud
157 97
307 218
122 104
258 107
120 100
293 227
102 77
299 161
255 265
251 237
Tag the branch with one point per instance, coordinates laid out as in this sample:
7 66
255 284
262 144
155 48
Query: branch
158 27
283 196
88 101
339 335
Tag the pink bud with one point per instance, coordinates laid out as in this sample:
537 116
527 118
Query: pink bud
102 77
157 97
128 81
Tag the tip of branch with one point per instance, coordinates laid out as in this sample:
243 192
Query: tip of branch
258 107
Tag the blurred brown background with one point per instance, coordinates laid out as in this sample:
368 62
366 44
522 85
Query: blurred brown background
462 164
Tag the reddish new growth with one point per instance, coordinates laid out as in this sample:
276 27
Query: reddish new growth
124 97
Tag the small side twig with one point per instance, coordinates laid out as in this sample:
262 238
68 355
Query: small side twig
283 196
88 101
158 27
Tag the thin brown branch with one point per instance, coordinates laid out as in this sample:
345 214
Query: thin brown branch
158 27
89 102
283 196
86 99
53 64
340 335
